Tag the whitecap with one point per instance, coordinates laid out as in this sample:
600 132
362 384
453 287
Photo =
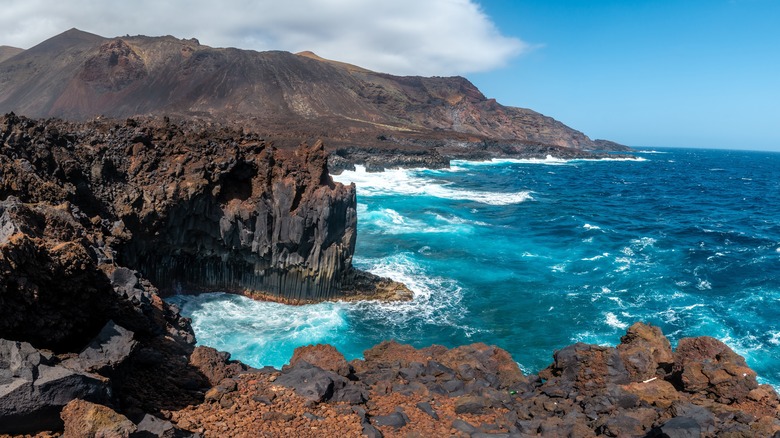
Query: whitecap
437 300
591 227
407 182
596 257
392 222
775 338
612 320
704 285
259 333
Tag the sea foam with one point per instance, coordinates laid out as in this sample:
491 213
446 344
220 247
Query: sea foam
407 182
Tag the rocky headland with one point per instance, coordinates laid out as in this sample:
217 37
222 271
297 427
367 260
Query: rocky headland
101 219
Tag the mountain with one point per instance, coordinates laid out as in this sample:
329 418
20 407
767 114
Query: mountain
78 75
8 51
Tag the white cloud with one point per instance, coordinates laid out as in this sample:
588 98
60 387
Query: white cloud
428 37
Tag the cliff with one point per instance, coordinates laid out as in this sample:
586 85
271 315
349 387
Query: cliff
77 75
191 206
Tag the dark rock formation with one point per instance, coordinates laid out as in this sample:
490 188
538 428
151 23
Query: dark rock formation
33 388
189 206
607 145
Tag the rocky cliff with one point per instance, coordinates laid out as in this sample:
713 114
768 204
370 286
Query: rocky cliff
190 206
78 75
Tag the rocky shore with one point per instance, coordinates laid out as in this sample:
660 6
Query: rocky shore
99 220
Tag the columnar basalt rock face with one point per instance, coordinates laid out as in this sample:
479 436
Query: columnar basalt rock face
191 206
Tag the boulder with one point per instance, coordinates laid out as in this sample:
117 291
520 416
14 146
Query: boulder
706 365
83 419
312 382
112 346
32 393
646 352
215 365
472 405
395 420
323 356
487 361
584 369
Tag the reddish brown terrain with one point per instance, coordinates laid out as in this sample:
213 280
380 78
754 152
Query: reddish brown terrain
286 97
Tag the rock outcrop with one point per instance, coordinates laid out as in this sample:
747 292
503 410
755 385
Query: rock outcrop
479 391
189 206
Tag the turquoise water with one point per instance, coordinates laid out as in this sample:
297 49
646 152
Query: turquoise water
533 255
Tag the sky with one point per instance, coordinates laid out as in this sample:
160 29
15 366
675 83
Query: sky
683 73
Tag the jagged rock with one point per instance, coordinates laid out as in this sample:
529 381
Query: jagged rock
126 282
323 356
488 361
585 369
644 349
394 420
472 405
311 382
215 365
153 427
463 426
51 292
426 407
678 427
89 420
656 392
370 431
709 366
105 352
32 392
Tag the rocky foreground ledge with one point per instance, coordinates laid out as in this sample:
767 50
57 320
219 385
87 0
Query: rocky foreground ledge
641 388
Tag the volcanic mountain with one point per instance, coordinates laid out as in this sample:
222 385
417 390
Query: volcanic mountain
77 75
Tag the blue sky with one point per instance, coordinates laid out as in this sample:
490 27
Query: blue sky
657 73
696 73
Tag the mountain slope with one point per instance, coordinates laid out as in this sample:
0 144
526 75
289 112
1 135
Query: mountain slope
8 52
78 75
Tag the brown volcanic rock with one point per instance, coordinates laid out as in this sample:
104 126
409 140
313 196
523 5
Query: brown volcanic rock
644 349
88 420
193 206
323 356
81 75
706 365
51 290
398 407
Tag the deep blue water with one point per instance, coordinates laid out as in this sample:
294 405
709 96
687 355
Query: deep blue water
535 255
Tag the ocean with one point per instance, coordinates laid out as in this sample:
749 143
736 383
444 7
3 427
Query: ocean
534 255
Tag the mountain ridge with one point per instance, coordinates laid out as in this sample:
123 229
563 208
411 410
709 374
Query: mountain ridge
78 75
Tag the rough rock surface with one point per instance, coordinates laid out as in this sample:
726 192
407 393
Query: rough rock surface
88 420
189 206
588 391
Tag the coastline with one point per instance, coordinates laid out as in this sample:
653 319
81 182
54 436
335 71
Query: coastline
106 351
